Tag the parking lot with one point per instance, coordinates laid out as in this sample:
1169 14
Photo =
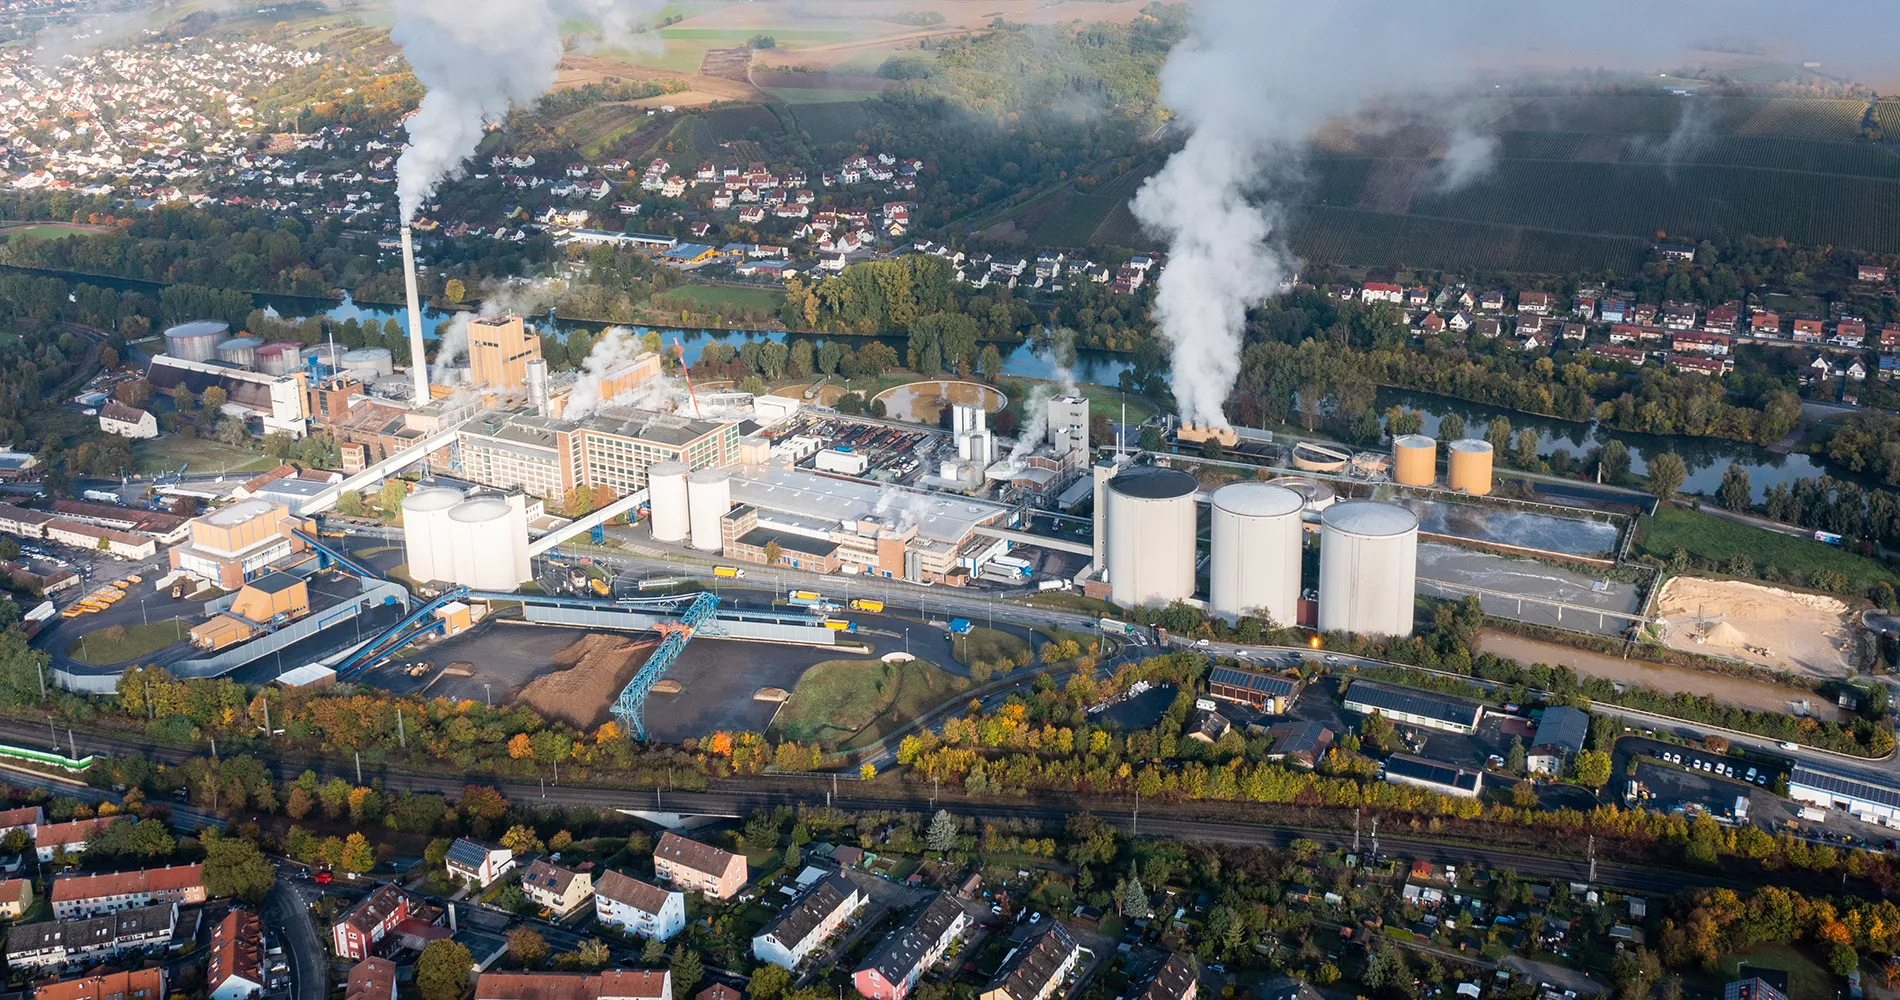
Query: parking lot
896 455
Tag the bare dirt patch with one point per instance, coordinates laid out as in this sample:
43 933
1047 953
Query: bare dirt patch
726 64
1600 148
596 666
1812 634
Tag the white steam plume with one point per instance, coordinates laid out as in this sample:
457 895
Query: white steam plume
1469 156
475 58
1061 352
1255 78
615 346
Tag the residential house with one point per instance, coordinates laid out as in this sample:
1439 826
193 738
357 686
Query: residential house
1207 725
1176 979
235 970
1584 307
614 984
1380 291
1855 370
1560 736
799 929
1573 331
1887 366
127 421
1431 322
1807 331
1536 303
1302 743
1764 324
1613 311
1643 314
137 984
1487 328
1871 273
474 861
1678 316
638 907
26 818
1817 370
1037 970
1459 322
1722 318
371 979
698 867
16 896
89 895
1713 344
1418 297
1849 333
1890 336
893 969
51 840
364 925
1491 302
556 888
719 991
1695 364
54 943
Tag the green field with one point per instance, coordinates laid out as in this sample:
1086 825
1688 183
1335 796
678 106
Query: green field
46 231
729 124
1806 977
1709 537
852 702
167 453
120 643
986 645
728 296
1351 236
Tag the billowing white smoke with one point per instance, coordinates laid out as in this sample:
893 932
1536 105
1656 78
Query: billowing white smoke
615 346
1255 78
475 58
1061 353
903 506
451 347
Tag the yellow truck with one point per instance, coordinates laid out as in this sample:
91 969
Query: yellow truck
601 587
728 572
867 605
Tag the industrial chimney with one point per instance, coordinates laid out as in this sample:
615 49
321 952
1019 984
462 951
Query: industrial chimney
537 379
418 367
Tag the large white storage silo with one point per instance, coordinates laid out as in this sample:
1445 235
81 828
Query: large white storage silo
666 482
1151 523
425 533
483 532
709 496
1255 552
1368 568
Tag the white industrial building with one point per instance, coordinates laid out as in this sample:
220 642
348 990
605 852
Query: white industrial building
1867 798
1414 707
1255 552
277 401
1368 568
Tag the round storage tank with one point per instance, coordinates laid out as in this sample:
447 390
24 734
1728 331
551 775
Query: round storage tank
1151 524
1414 460
1255 552
425 533
369 359
483 534
709 495
196 341
1318 495
279 357
1470 466
1368 568
666 483
240 351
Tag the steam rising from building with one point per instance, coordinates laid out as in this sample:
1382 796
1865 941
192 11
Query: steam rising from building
1256 78
475 58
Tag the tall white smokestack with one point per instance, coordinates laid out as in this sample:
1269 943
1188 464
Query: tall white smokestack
418 369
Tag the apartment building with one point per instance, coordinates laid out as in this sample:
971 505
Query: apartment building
555 888
89 895
697 867
639 908
801 929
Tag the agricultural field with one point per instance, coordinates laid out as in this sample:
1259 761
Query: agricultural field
729 296
820 95
1706 536
1353 237
1887 116
848 702
830 122
1095 218
730 124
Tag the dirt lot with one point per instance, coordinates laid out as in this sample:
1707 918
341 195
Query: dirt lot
596 666
1809 633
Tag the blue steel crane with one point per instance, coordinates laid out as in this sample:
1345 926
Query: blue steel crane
630 707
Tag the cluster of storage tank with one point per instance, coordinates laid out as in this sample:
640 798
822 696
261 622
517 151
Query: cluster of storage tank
1368 551
689 505
1467 465
479 542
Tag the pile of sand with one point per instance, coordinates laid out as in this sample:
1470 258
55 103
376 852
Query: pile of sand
1726 635
1807 633
596 668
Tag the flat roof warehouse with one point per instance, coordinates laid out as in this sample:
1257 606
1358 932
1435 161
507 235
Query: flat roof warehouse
837 500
